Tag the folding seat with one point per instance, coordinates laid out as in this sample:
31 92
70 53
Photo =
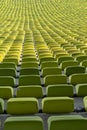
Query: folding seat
7 81
29 80
85 103
23 122
64 58
59 90
49 64
7 72
57 55
81 89
74 70
12 55
7 65
14 60
29 71
51 71
67 122
6 92
1 106
46 59
31 59
81 58
57 104
29 64
30 91
84 63
65 64
22 106
55 79
80 78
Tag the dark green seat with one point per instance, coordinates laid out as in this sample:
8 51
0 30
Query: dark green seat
65 64
6 92
51 71
8 72
74 70
81 90
55 79
7 81
30 91
29 80
67 122
59 90
29 71
80 78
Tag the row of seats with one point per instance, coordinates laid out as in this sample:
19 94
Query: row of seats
73 122
30 105
60 90
48 80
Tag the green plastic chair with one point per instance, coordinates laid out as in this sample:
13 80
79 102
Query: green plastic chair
64 58
81 90
59 90
67 122
78 78
65 64
7 81
29 80
22 106
55 79
8 72
23 122
57 105
29 71
30 91
29 64
74 70
51 71
6 92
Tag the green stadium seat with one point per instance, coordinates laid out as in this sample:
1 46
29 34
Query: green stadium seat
65 64
14 60
7 65
47 59
64 58
7 81
29 64
78 78
21 106
74 70
81 90
81 58
55 79
49 64
67 122
31 59
29 80
59 90
23 123
8 72
84 63
6 92
30 91
57 105
51 71
1 106
29 71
